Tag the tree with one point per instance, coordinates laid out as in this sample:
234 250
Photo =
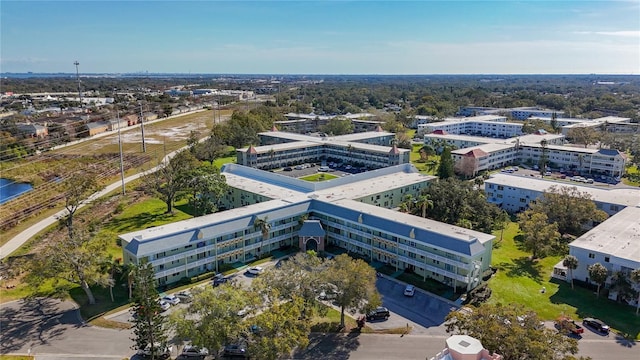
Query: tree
265 227
424 202
426 151
76 189
77 259
570 208
205 185
211 320
338 126
598 274
539 236
302 275
512 332
544 157
454 200
172 177
571 263
582 135
501 222
129 273
278 331
355 283
149 325
445 168
635 279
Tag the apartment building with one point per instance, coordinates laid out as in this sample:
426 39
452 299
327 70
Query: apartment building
614 243
514 193
360 149
355 212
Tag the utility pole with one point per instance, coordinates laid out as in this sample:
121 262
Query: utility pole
121 156
76 63
144 144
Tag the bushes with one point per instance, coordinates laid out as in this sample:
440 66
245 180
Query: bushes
479 295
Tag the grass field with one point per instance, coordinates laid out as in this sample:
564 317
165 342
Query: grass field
519 280
428 166
318 177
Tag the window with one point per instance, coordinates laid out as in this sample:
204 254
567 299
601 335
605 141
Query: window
606 259
592 256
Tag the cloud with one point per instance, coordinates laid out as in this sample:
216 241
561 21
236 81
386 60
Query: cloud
623 33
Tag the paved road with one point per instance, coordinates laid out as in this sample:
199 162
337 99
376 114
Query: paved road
48 326
53 330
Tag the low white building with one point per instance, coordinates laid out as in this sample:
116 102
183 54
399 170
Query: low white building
615 244
514 193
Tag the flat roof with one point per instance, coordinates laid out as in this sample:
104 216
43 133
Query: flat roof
478 139
201 221
373 184
490 118
617 236
626 197
283 146
489 148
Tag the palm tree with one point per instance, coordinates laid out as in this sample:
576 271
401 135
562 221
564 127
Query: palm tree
424 201
571 263
598 274
129 271
265 228
635 278
406 206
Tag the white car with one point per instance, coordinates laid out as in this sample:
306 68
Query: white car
171 299
164 305
324 168
255 270
410 290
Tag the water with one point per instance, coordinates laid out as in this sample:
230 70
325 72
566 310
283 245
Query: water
9 189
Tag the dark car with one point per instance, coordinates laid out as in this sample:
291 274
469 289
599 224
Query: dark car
219 279
235 350
287 169
380 313
596 324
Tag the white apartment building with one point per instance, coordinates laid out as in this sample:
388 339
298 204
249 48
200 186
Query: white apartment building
615 244
359 149
354 212
484 125
514 193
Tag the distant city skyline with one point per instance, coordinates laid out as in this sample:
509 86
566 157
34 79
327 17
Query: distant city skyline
321 37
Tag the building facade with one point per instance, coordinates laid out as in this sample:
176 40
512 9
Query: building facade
355 212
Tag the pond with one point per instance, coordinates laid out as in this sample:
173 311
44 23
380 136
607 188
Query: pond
9 189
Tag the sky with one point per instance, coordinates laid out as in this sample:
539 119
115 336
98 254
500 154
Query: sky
321 37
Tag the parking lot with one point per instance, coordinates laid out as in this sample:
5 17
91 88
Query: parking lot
569 178
311 169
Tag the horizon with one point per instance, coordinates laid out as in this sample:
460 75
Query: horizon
321 37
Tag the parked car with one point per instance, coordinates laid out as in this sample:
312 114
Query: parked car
160 351
235 350
565 324
327 295
596 324
410 290
323 168
185 296
164 305
171 299
379 313
255 270
219 279
190 351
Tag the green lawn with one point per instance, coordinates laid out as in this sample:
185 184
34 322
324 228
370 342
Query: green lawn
520 280
423 166
318 177
632 170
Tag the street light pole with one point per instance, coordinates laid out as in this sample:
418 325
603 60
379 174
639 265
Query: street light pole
76 63
144 144
121 156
